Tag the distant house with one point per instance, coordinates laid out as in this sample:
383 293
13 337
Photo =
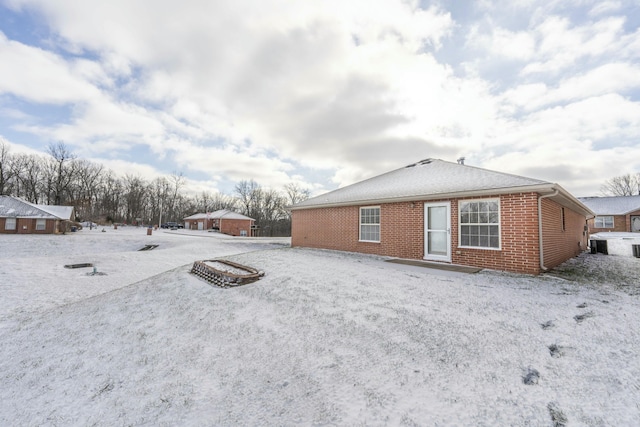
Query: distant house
447 212
618 213
224 221
18 216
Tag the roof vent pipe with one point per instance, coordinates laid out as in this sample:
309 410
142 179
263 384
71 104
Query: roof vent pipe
460 161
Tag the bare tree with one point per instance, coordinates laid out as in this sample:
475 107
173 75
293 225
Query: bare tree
99 194
88 177
6 169
176 181
110 197
135 197
29 175
59 173
208 202
295 193
159 190
249 194
623 185
273 213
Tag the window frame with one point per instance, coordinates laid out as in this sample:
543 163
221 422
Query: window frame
14 221
604 221
41 224
461 224
361 224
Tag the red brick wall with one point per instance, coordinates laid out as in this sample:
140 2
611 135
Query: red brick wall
192 224
28 226
329 228
401 230
518 232
561 244
620 223
402 233
234 226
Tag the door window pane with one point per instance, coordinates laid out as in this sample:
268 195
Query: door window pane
437 243
437 218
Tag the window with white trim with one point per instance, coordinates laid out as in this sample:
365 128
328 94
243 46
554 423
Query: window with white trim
479 223
10 224
41 224
370 224
603 222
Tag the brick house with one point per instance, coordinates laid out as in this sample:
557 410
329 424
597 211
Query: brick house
224 221
448 212
18 216
618 213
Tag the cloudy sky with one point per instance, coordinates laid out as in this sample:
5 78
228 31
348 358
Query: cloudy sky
326 92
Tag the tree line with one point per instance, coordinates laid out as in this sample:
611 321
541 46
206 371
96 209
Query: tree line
59 177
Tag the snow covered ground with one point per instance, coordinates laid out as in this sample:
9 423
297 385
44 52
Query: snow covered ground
325 338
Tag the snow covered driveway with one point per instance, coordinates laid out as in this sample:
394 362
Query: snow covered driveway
323 338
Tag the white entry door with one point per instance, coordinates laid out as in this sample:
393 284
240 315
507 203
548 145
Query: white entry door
437 231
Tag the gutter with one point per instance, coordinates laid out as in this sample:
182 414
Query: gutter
540 244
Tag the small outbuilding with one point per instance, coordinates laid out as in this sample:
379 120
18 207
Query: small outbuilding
448 212
223 220
18 216
616 213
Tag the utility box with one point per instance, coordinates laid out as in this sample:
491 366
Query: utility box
599 247
149 231
636 250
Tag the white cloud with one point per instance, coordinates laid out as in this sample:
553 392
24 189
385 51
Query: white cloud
39 76
257 89
516 45
604 7
298 79
560 44
608 78
579 145
17 148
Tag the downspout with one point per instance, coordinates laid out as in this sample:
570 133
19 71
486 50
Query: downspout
540 244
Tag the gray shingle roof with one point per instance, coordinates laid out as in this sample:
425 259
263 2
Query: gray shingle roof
430 178
13 207
616 205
